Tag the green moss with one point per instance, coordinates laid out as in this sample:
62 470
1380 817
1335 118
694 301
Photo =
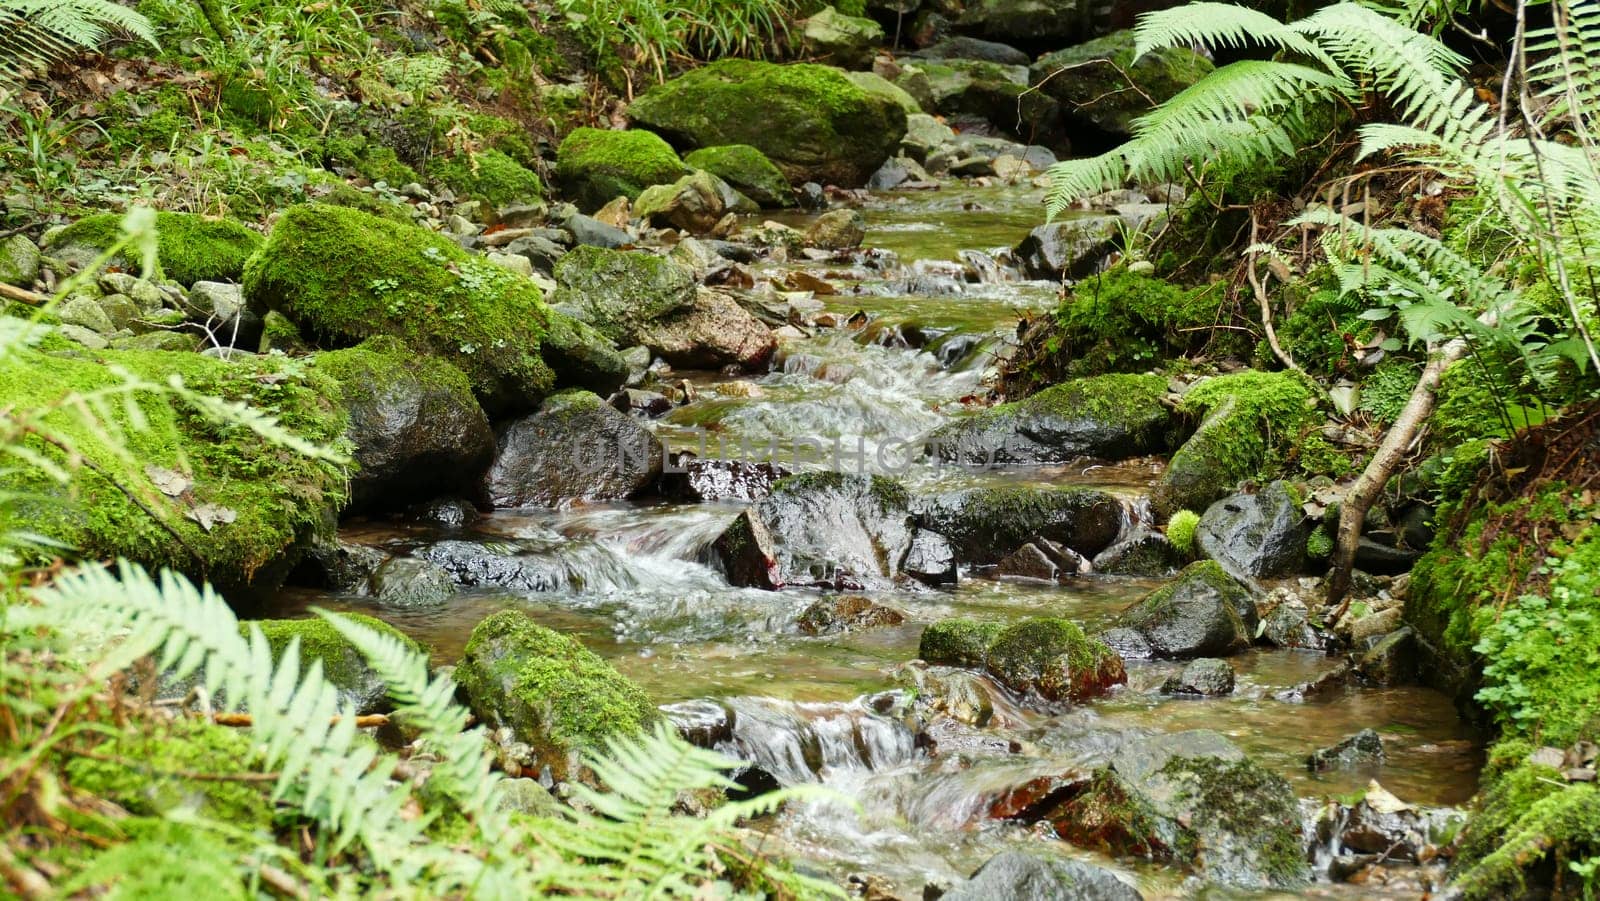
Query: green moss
552 691
279 498
594 166
1180 531
367 202
190 248
344 276
1053 657
1319 320
507 137
748 170
150 768
958 642
382 164
342 664
1252 806
1531 835
1250 421
490 176
1319 544
148 120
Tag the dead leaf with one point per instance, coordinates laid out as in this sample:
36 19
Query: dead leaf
211 515
167 481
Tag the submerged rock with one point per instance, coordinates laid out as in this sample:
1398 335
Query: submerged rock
1110 417
576 446
1256 536
984 524
406 582
551 691
1019 876
1203 613
849 613
1207 676
809 120
1364 747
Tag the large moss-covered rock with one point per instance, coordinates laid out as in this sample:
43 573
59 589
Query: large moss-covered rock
1105 89
1111 417
415 429
1202 613
1048 657
748 170
809 120
189 248
213 502
360 686
344 276
551 691
19 261
575 446
834 38
1249 419
637 298
985 524
1194 799
595 166
958 642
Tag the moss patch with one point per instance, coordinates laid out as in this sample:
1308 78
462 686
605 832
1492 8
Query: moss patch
190 248
594 166
344 276
490 176
1054 658
748 170
149 771
958 642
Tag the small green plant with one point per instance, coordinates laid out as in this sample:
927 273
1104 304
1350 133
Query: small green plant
1180 531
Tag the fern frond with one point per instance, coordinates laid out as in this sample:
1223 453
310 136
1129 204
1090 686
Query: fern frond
1217 25
1235 92
34 34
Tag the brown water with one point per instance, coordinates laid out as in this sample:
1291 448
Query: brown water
676 627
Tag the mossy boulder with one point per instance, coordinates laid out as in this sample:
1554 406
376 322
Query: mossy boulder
748 170
214 502
1034 25
637 298
415 429
575 446
1249 420
551 691
344 276
832 37
1110 417
876 84
1048 657
986 524
1194 799
958 642
189 248
809 120
1204 612
595 166
151 769
490 176
19 261
360 686
1106 89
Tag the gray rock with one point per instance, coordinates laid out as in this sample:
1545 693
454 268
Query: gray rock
446 512
1363 748
124 313
837 230
648 404
591 232
1043 560
341 566
1110 417
1019 876
708 481
836 529
930 560
1256 536
1144 553
542 253
86 313
20 261
575 446
1070 248
747 554
984 524
87 337
1392 660
836 39
1207 676
1203 613
973 48
1289 626
411 583
694 203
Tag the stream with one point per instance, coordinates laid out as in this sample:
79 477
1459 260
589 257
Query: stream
630 582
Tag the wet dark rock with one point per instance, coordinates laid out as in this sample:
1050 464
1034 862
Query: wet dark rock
1326 685
892 174
1194 799
1256 536
984 524
812 197
695 480
541 252
446 512
838 529
973 48
848 613
1363 748
930 559
1203 613
481 564
1042 560
1070 248
648 404
1110 417
588 231
1128 643
574 447
416 428
702 722
340 566
1392 660
1019 876
1144 553
1207 676
1381 827
1044 656
1384 559
1289 626
747 554
407 582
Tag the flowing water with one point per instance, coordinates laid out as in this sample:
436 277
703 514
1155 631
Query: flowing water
627 580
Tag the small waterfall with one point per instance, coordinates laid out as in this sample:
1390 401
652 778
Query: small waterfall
797 743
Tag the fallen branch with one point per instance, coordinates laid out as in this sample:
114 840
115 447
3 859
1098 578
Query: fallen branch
1266 304
245 721
23 294
1396 442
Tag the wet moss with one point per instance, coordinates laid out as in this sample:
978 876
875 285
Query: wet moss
272 499
748 170
1054 658
1253 807
150 769
161 859
342 664
344 276
595 166
1180 531
490 176
958 642
367 202
1531 834
190 248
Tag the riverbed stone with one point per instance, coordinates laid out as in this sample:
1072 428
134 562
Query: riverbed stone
746 169
410 583
747 553
1144 553
20 261
1207 676
810 120
1110 417
575 446
1361 749
836 230
1054 659
1392 659
1023 876
984 524
930 559
1256 536
1043 560
847 613
1069 248
1202 613
551 691
595 166
693 204
414 425
836 528
836 39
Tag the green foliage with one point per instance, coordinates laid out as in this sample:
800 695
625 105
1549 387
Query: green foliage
1530 831
491 176
1122 321
704 29
1180 531
595 165
36 33
1319 320
147 772
1319 544
1385 393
